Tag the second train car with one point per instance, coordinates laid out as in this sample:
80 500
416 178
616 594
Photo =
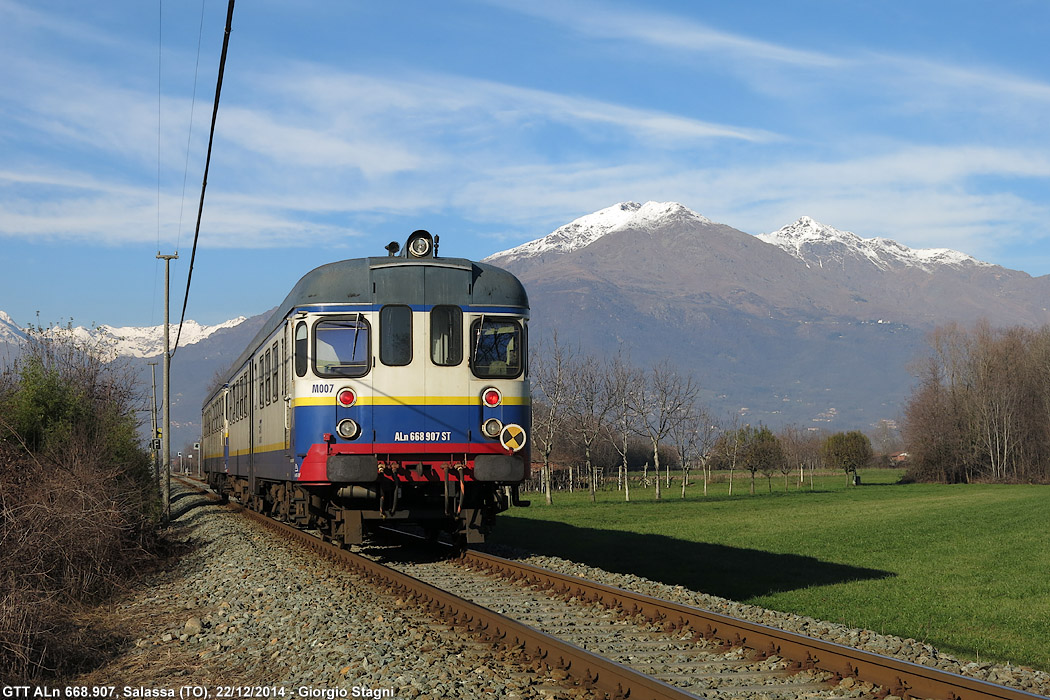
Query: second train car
382 390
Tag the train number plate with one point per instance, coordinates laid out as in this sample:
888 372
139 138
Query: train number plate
423 436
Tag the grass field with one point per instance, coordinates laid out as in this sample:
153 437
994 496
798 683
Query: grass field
965 567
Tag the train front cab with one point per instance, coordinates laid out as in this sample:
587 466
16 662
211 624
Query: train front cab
414 408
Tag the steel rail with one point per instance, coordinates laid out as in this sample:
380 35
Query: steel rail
589 670
901 678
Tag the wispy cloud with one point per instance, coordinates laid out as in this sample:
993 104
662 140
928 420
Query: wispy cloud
892 80
666 31
451 103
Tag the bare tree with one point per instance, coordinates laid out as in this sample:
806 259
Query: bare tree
982 410
551 372
659 404
801 451
693 437
728 446
621 380
588 413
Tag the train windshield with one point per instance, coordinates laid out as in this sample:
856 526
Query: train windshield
341 347
498 348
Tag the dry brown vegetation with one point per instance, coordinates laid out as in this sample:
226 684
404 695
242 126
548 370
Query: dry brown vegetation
77 506
982 411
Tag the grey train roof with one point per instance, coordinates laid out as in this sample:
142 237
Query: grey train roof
350 282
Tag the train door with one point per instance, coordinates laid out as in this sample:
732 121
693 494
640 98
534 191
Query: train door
448 413
398 380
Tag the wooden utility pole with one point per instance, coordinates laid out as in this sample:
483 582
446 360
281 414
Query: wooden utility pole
166 434
153 433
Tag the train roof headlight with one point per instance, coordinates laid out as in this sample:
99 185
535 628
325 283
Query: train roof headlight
491 397
420 244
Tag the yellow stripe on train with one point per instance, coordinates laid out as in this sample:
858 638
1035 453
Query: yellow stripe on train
410 401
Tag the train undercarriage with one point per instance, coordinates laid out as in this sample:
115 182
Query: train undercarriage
344 514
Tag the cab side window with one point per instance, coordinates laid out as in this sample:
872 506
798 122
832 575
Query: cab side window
342 347
301 342
497 348
446 335
395 335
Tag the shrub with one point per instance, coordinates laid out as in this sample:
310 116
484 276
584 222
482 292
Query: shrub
77 505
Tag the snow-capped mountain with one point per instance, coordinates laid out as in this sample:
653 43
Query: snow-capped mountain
9 330
817 244
804 325
126 341
587 229
810 241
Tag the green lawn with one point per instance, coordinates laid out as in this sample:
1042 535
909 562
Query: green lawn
966 568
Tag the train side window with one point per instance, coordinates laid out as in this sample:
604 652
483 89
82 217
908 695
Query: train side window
266 384
446 335
395 335
301 359
342 347
498 351
275 373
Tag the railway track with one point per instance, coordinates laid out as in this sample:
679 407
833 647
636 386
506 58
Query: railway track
623 644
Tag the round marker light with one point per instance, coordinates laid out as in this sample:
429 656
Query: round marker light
492 428
348 429
492 397
346 397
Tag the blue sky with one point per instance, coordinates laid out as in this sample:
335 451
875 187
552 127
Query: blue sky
345 125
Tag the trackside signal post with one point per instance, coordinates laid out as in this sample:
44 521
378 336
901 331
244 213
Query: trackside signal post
166 430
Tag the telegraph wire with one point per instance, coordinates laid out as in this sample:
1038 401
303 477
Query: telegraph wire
207 164
189 134
160 65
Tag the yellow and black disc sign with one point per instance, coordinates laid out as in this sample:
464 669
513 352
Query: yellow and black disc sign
512 437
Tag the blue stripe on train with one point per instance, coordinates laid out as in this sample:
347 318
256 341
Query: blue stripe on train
394 424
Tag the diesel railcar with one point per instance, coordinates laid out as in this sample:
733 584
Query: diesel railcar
382 390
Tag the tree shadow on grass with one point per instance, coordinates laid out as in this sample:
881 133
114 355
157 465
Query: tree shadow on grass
728 572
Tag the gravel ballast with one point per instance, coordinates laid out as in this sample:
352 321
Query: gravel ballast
246 614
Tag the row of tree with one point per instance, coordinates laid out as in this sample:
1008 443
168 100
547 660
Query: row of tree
981 411
589 411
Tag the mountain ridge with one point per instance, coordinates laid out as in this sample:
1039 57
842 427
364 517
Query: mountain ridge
806 239
124 341
804 234
818 330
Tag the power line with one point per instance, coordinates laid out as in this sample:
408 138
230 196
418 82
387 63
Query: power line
189 133
207 164
160 63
